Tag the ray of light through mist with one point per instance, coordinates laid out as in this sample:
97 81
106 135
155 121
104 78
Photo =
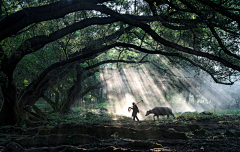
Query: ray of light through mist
133 85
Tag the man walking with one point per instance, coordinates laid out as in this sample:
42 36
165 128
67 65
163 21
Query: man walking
135 111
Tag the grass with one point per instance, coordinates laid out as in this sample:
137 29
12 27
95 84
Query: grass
95 116
84 117
230 112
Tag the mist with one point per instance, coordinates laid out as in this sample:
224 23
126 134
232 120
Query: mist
142 83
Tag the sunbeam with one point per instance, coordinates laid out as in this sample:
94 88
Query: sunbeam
157 89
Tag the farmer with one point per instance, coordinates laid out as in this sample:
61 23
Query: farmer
135 111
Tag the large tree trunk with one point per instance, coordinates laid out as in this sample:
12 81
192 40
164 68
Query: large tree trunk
76 94
10 113
73 91
37 89
71 99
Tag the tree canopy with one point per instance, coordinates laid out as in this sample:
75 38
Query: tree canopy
43 41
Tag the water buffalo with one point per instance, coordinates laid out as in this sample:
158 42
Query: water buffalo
160 111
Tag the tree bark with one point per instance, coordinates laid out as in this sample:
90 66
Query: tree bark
76 95
53 105
38 111
10 113
74 91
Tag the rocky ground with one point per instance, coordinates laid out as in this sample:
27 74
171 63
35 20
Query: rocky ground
187 133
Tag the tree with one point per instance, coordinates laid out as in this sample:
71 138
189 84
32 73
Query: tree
199 33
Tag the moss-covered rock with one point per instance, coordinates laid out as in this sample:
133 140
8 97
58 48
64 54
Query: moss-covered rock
156 145
185 128
219 136
223 122
201 132
175 135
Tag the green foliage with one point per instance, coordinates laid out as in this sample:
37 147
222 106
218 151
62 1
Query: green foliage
102 104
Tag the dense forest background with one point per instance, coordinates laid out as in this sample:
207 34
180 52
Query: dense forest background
56 55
